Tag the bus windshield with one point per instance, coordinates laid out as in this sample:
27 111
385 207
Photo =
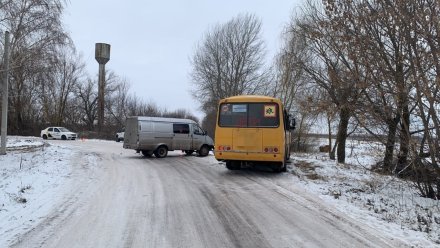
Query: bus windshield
249 115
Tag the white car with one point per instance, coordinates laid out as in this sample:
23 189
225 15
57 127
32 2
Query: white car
120 136
58 133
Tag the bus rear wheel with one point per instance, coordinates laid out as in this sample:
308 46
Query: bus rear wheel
287 157
282 168
233 165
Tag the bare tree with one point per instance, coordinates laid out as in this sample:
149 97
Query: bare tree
209 122
390 64
329 65
229 61
290 78
424 53
137 107
60 81
36 30
293 86
375 32
116 100
87 94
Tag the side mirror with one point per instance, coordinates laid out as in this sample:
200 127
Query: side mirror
292 124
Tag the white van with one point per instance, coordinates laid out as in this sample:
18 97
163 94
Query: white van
157 135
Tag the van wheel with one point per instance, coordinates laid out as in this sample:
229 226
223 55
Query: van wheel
147 153
63 137
204 151
161 152
117 139
44 136
189 152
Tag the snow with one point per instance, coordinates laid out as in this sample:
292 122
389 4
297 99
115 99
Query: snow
383 202
34 176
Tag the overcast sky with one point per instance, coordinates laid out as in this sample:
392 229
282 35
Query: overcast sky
152 41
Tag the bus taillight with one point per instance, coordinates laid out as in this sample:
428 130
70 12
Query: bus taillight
224 148
271 149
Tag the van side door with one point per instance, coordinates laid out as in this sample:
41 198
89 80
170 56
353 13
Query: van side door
198 137
182 137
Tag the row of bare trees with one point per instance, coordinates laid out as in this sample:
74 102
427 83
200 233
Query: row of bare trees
373 64
366 65
48 82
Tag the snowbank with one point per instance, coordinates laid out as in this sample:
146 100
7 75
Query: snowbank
384 202
33 175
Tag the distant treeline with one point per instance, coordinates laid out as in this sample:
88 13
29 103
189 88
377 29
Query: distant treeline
48 84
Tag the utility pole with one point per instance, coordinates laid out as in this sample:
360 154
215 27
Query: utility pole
5 96
102 55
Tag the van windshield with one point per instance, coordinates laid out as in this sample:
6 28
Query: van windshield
249 115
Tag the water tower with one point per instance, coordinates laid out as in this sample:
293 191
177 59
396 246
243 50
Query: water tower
102 55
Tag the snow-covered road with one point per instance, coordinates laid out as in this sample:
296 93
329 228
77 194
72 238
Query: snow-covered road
188 201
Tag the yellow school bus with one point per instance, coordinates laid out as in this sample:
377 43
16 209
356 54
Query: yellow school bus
253 130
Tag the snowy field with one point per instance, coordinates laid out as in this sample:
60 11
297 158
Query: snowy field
386 203
35 175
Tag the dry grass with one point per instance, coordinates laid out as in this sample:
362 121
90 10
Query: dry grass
308 170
